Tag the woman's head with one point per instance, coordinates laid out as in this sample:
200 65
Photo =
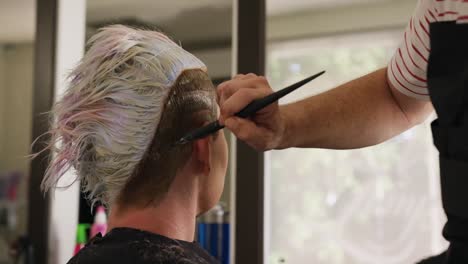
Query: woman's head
133 95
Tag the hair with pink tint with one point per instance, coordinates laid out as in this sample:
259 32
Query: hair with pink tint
107 118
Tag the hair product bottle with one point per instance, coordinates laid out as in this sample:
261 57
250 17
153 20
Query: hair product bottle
81 237
100 222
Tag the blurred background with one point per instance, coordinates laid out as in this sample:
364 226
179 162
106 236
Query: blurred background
17 39
374 205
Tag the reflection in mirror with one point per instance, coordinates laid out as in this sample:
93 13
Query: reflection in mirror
16 88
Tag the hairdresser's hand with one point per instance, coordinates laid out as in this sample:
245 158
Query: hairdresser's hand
263 131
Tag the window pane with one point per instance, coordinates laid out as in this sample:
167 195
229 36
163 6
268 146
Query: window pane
374 205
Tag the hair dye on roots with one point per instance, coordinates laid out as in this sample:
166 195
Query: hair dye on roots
129 99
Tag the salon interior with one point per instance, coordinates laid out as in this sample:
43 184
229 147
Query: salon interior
374 205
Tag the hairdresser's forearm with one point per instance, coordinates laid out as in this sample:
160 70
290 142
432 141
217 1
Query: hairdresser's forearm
360 113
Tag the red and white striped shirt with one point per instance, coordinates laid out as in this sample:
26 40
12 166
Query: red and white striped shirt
407 71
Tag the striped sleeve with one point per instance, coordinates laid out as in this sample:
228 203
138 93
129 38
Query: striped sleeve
452 10
407 70
463 16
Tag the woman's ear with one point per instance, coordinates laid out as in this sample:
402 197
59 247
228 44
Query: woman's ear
201 155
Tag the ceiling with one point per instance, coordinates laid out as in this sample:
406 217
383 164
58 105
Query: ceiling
149 10
177 17
278 7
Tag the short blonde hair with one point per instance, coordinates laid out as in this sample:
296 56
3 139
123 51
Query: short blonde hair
107 118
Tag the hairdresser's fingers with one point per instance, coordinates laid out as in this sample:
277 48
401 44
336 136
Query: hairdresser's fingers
250 80
240 80
247 131
224 88
241 76
238 76
250 76
227 89
239 100
223 94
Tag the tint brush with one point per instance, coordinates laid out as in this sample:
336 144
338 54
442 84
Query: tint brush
247 111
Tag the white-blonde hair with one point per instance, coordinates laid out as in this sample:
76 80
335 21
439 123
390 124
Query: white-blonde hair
107 118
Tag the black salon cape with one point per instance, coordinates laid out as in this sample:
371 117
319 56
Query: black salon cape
132 246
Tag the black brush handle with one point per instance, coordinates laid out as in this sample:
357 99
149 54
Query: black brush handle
247 111
258 104
202 131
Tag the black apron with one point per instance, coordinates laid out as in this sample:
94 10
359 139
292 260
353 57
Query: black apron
448 88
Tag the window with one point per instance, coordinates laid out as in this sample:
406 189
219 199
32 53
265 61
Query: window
374 205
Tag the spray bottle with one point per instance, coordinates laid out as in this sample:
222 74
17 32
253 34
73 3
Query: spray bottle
100 222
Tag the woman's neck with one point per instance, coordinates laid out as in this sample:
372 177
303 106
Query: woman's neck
173 217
